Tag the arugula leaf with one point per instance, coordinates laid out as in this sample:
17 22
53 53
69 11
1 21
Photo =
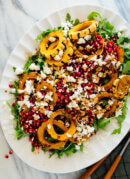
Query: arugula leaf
32 148
102 123
105 102
94 14
15 112
15 85
127 54
121 117
123 40
81 147
68 18
126 68
76 22
44 33
105 80
14 68
95 125
73 22
27 65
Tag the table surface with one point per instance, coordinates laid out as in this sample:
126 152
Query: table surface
16 16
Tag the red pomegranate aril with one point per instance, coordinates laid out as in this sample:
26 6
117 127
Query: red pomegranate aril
6 156
13 104
10 85
73 118
21 98
11 152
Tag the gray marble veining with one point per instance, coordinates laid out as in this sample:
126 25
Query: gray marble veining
16 16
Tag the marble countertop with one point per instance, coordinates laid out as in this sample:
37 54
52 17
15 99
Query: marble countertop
16 16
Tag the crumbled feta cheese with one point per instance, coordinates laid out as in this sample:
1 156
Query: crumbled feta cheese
43 75
118 112
90 129
51 82
87 37
77 147
48 113
25 101
36 117
66 26
39 79
61 53
19 71
68 135
99 116
29 86
110 102
70 68
46 69
92 95
72 104
70 79
48 97
49 126
34 67
20 91
52 39
81 41
43 104
39 95
57 58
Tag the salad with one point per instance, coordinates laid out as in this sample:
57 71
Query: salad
75 83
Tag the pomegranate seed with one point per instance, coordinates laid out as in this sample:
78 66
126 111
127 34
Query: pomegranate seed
21 98
6 156
68 110
13 104
73 118
10 85
11 152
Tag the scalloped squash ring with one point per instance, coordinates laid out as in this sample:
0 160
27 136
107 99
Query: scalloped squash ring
53 51
83 29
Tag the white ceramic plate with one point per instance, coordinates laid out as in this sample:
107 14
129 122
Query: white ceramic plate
99 145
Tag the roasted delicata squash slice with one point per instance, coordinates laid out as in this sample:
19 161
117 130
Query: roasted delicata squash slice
49 88
54 48
109 84
109 96
29 76
45 142
66 56
121 86
83 29
50 128
120 54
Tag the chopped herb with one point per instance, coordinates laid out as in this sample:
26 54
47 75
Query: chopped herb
105 80
105 102
14 68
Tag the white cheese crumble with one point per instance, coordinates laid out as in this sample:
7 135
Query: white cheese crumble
48 97
66 25
46 69
70 68
57 58
43 75
39 95
49 126
87 37
118 112
72 104
81 41
29 86
68 135
48 113
19 71
70 79
52 39
99 116
36 117
34 67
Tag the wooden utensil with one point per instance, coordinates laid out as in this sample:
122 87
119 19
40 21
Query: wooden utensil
116 162
92 169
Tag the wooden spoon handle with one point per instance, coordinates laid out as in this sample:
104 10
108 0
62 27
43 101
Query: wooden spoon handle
92 169
112 168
